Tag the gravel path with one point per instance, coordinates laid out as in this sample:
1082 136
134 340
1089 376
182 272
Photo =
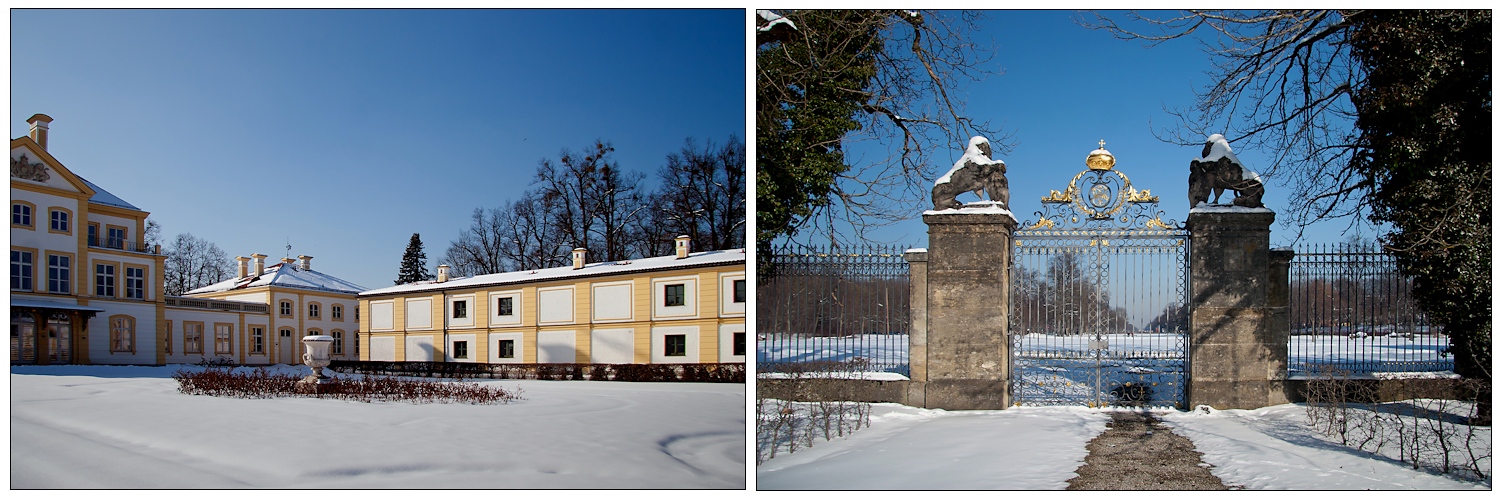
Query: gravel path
1137 452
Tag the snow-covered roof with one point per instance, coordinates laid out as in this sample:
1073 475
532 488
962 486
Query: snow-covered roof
1219 148
103 197
285 275
972 153
697 259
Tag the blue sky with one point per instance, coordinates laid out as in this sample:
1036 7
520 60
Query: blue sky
1061 88
345 131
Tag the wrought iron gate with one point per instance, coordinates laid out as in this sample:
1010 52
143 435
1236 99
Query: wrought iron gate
1098 297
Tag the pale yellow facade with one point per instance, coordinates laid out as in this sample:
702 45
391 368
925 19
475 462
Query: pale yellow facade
615 318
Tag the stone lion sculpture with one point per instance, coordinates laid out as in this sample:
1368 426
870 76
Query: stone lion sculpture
975 172
1220 170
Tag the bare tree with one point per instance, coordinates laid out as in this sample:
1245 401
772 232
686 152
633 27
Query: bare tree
702 195
620 201
1282 83
480 248
193 263
533 244
899 75
590 200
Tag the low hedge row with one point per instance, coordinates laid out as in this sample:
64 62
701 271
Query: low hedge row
262 384
701 372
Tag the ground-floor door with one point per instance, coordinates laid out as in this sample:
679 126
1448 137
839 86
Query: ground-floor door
286 348
24 338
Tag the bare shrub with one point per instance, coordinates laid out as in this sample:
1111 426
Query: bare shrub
1432 423
814 399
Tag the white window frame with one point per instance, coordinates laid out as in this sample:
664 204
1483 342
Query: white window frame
658 344
727 306
520 347
689 309
512 319
469 311
726 343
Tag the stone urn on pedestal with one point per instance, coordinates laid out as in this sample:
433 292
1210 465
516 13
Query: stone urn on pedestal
315 356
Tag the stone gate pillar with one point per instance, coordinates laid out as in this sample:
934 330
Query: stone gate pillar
916 349
1240 322
967 364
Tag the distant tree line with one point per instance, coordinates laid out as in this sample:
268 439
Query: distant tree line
585 199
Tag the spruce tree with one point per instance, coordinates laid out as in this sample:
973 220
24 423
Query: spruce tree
413 262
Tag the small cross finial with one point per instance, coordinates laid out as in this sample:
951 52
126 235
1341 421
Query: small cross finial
1101 143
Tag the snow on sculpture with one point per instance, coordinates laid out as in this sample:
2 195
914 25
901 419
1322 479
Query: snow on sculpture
976 172
1219 170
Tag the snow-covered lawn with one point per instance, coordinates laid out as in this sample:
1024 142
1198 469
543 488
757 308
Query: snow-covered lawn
128 427
1040 448
888 352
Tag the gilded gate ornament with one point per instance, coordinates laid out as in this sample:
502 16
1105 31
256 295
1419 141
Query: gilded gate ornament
1100 197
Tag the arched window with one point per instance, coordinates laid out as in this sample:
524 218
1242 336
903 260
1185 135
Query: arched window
286 308
337 311
314 310
121 334
338 341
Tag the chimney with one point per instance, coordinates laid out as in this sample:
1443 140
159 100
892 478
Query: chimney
260 263
682 246
304 262
442 273
244 266
578 260
39 123
287 260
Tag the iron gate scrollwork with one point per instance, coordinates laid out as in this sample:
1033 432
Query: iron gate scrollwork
1099 313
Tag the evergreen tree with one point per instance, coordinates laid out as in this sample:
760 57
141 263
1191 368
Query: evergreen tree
413 262
1424 113
1384 114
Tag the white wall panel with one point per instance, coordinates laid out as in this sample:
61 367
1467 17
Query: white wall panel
382 348
557 346
613 346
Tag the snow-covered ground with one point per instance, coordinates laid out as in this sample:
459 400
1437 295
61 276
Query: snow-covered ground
128 427
888 352
1040 448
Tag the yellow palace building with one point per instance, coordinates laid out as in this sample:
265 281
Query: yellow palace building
84 289
682 308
